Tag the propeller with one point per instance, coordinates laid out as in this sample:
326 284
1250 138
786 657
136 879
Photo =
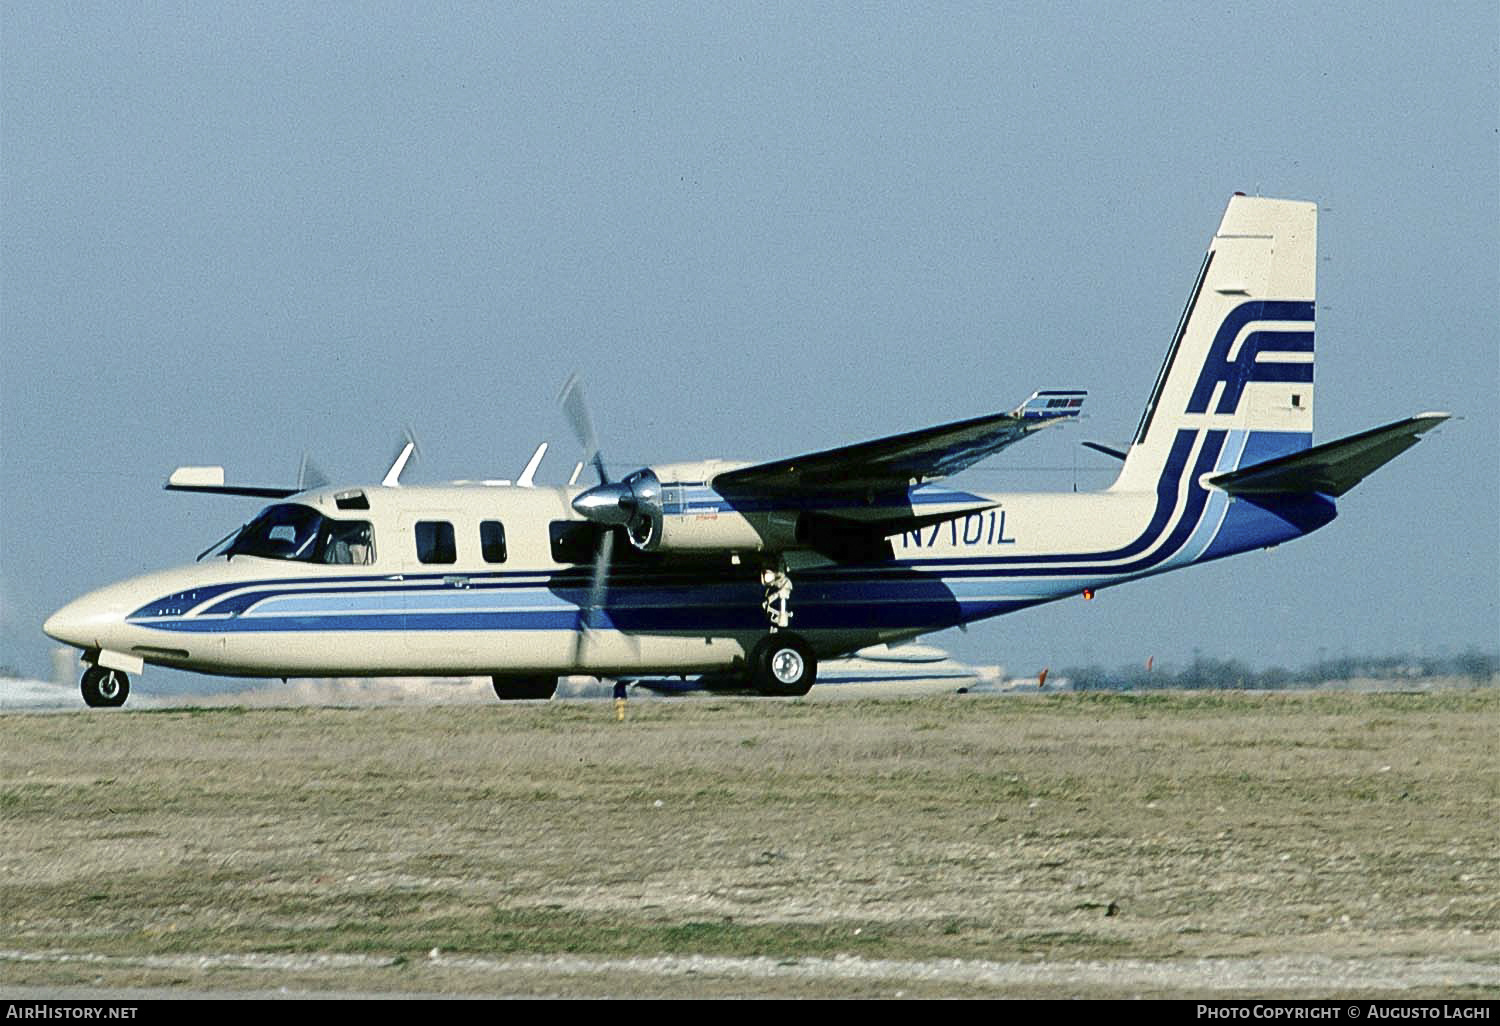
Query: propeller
577 411
595 509
598 587
634 503
310 475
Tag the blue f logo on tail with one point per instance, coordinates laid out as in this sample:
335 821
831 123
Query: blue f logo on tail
1236 370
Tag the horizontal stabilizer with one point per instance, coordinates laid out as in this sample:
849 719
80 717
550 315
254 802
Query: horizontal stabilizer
1113 453
1333 467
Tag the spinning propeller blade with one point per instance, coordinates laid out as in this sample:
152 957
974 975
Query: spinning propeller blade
310 475
575 407
598 588
577 411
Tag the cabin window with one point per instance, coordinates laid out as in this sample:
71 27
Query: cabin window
577 541
492 541
573 541
435 542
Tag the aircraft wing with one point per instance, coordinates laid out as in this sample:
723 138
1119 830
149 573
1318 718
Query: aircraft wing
895 462
211 480
1333 467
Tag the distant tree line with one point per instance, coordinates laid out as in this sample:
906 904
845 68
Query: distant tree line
1209 672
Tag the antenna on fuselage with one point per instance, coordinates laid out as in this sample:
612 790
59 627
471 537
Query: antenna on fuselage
527 478
392 477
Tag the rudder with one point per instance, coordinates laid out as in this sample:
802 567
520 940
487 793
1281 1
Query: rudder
1241 360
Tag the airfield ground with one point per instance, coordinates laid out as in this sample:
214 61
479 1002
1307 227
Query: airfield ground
1205 844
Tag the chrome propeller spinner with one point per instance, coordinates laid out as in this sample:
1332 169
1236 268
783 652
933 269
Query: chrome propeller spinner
634 503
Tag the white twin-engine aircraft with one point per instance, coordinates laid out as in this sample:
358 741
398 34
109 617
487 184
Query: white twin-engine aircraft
750 574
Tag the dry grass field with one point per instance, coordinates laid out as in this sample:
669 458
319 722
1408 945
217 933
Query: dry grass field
1204 844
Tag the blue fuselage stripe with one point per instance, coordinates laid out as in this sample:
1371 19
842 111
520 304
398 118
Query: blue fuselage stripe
900 594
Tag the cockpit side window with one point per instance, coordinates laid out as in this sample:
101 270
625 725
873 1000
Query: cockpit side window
349 541
302 534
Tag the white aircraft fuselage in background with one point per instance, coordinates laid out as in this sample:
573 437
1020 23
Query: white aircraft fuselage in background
759 571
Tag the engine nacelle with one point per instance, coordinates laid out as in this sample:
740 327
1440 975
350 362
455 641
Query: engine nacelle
682 517
716 530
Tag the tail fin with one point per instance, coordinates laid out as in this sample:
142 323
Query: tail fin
1242 359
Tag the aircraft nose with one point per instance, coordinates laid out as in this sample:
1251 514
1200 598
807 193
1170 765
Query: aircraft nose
86 622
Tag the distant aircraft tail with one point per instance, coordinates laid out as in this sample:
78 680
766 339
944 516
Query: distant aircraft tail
1239 374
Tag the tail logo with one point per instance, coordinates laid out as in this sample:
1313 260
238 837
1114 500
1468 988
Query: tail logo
1236 366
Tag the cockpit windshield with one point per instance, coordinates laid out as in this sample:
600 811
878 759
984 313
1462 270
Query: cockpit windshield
301 533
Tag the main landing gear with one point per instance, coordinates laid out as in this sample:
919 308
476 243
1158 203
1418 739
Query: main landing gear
778 589
781 663
103 687
513 689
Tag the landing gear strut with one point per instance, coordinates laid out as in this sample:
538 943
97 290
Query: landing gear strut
103 687
781 663
778 586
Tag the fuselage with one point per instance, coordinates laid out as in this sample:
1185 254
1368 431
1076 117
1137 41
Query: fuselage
496 580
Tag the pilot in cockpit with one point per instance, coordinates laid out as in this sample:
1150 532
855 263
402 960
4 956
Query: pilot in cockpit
349 543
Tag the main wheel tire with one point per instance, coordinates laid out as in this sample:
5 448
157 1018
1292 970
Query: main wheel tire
783 664
104 688
513 689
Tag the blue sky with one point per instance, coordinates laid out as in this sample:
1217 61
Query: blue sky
234 235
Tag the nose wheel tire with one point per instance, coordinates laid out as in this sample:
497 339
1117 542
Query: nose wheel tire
783 664
104 688
511 689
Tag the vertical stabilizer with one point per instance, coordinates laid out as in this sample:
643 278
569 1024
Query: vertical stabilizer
1241 361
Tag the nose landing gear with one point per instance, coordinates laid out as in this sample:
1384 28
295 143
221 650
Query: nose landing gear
103 687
